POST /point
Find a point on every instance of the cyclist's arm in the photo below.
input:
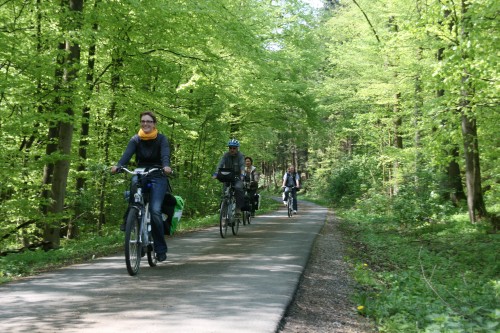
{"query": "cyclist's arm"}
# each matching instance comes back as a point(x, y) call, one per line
point(242, 164)
point(219, 165)
point(127, 154)
point(165, 154)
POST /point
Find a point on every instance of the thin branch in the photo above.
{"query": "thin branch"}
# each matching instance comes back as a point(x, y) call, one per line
point(367, 20)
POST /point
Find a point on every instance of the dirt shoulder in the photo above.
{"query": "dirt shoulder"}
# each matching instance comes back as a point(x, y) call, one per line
point(323, 301)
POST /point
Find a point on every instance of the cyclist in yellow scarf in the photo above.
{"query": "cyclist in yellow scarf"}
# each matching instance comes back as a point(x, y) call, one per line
point(151, 149)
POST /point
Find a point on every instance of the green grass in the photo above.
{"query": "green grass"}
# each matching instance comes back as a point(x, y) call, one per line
point(443, 277)
point(28, 263)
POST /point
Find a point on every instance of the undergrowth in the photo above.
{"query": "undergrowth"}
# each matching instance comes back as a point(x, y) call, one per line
point(439, 277)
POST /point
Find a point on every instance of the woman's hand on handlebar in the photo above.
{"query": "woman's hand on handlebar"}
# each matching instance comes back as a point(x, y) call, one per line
point(167, 170)
point(115, 169)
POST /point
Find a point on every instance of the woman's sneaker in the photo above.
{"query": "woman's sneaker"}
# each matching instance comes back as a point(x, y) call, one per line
point(161, 256)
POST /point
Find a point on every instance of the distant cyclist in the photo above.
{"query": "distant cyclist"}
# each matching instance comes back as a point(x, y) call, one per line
point(234, 159)
point(290, 185)
point(251, 182)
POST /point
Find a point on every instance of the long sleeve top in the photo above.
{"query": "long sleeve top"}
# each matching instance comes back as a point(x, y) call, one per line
point(148, 153)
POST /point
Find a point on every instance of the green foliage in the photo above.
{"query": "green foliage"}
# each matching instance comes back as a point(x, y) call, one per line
point(437, 279)
point(346, 181)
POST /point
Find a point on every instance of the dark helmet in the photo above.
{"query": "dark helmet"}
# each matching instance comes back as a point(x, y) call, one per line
point(233, 143)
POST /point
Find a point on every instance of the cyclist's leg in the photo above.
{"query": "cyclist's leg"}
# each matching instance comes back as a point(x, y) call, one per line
point(294, 197)
point(239, 193)
point(286, 191)
point(251, 195)
point(157, 194)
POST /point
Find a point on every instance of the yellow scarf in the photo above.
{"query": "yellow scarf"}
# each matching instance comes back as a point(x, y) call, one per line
point(150, 136)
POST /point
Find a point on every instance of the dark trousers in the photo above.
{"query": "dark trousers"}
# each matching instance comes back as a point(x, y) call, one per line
point(239, 193)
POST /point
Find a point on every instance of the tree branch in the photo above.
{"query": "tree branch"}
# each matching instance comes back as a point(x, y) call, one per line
point(367, 20)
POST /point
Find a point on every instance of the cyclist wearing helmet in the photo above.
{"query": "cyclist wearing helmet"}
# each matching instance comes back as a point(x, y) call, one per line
point(233, 158)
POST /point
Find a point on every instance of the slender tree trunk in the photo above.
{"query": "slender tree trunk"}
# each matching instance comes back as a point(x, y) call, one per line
point(396, 109)
point(64, 128)
point(117, 63)
point(454, 187)
point(73, 229)
point(475, 201)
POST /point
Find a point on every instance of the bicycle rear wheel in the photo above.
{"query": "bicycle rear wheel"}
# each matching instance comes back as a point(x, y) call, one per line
point(223, 218)
point(132, 244)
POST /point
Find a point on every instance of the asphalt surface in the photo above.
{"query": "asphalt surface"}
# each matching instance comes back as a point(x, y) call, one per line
point(242, 283)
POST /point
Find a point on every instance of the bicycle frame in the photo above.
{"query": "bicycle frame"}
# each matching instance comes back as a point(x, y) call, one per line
point(139, 224)
point(227, 211)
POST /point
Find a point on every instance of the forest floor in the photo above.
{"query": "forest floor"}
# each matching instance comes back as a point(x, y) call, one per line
point(324, 298)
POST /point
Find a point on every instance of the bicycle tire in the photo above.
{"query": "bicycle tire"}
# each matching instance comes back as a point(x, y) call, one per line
point(152, 261)
point(223, 220)
point(290, 206)
point(132, 243)
point(235, 225)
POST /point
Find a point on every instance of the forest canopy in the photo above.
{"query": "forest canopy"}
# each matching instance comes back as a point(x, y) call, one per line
point(389, 101)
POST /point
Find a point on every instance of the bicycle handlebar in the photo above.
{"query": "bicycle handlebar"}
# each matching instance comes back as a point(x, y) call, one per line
point(141, 171)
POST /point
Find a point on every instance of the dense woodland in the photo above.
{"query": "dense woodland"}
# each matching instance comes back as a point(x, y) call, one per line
point(389, 109)
point(394, 102)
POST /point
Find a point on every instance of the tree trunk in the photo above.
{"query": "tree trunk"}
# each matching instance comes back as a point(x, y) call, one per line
point(117, 63)
point(73, 229)
point(454, 184)
point(475, 201)
point(60, 173)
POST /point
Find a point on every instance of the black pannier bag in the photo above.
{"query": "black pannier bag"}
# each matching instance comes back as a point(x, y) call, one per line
point(248, 204)
point(225, 175)
point(167, 208)
point(257, 201)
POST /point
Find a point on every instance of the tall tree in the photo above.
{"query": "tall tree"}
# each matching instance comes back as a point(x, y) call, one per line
point(62, 132)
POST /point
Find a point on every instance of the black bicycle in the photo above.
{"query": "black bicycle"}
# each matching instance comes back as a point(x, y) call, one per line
point(227, 213)
point(249, 201)
point(138, 234)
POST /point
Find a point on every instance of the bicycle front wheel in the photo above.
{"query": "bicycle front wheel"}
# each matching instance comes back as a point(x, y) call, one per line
point(235, 225)
point(132, 243)
point(290, 207)
point(223, 219)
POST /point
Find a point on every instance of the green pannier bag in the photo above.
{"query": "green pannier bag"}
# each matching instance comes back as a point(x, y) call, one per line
point(176, 219)
point(171, 209)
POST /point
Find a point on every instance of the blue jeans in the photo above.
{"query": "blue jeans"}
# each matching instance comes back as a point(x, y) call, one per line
point(157, 193)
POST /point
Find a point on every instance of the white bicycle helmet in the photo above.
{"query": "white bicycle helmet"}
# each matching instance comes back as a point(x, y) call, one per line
point(233, 143)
